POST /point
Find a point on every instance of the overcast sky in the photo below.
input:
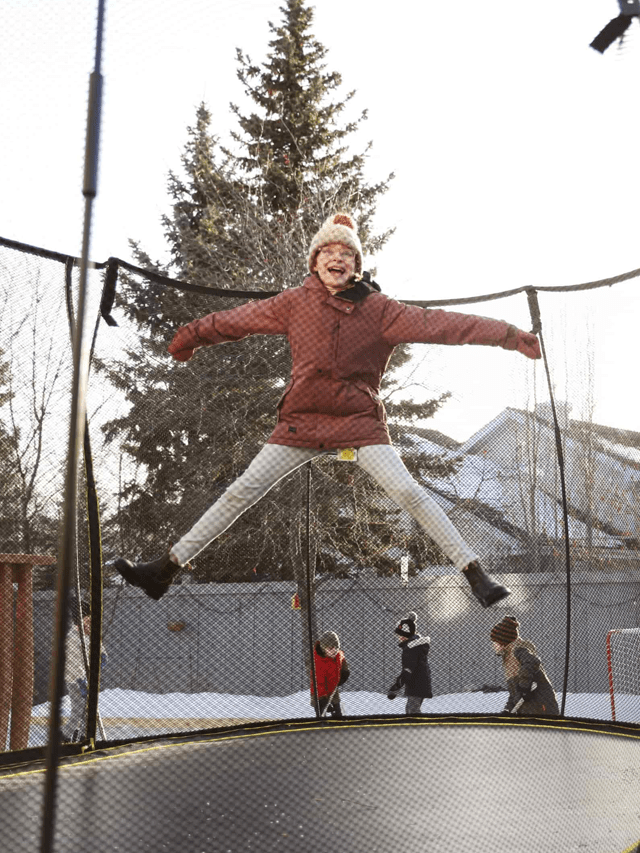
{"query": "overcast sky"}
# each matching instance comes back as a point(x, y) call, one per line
point(514, 145)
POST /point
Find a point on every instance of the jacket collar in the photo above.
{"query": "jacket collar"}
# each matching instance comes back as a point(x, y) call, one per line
point(417, 641)
point(357, 293)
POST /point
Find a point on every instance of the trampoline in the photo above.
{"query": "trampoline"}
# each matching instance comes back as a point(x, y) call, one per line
point(423, 784)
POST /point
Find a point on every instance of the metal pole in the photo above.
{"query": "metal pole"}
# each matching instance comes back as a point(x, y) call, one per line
point(92, 712)
point(312, 659)
point(76, 427)
point(534, 309)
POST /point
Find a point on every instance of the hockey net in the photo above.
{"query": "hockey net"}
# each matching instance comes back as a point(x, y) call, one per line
point(623, 663)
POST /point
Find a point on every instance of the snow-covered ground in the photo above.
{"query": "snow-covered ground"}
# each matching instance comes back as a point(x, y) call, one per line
point(130, 713)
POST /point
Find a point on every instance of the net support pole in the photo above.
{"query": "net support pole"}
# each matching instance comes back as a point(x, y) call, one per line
point(534, 310)
point(76, 426)
point(92, 660)
point(312, 659)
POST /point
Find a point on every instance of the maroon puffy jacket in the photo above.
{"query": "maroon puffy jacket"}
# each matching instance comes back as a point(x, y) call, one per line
point(340, 347)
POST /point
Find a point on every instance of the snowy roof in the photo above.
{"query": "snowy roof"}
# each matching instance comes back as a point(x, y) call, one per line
point(484, 432)
point(623, 452)
point(619, 443)
point(481, 480)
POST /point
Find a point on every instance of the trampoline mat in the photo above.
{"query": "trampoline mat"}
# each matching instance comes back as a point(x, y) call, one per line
point(381, 786)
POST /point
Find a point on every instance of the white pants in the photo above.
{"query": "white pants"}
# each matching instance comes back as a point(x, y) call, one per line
point(275, 461)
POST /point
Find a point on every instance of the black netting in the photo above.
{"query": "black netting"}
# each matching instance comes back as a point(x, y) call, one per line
point(357, 574)
point(227, 643)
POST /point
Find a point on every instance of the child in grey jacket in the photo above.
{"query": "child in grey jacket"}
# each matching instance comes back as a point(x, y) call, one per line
point(530, 691)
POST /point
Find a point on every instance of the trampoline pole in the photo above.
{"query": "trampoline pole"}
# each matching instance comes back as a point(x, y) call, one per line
point(312, 660)
point(96, 585)
point(76, 425)
point(534, 310)
point(95, 550)
point(83, 646)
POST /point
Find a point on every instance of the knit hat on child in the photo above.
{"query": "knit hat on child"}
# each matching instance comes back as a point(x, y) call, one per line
point(506, 631)
point(338, 228)
point(329, 640)
point(407, 627)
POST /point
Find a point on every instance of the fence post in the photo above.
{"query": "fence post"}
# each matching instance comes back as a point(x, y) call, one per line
point(16, 646)
point(6, 651)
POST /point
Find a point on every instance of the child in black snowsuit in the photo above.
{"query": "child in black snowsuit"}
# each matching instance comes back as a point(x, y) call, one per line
point(415, 677)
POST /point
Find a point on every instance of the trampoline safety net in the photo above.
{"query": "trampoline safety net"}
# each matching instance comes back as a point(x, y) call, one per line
point(315, 666)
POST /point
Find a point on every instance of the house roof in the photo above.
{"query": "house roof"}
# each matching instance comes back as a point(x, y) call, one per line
point(480, 488)
point(475, 441)
point(621, 444)
point(433, 435)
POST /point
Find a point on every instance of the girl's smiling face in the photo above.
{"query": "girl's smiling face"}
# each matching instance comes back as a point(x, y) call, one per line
point(335, 265)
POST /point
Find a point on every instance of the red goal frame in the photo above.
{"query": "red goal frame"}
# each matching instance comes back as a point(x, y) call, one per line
point(609, 666)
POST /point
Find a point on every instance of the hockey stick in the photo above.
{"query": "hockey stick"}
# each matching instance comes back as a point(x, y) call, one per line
point(517, 706)
point(520, 701)
point(326, 707)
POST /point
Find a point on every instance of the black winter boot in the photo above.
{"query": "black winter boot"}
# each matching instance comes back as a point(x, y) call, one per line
point(486, 590)
point(154, 577)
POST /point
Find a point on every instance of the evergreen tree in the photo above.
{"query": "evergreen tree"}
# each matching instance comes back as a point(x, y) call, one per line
point(243, 217)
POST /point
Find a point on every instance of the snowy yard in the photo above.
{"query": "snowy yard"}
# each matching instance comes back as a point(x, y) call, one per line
point(130, 713)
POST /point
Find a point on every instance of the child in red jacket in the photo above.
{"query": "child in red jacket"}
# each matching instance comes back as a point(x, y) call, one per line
point(331, 670)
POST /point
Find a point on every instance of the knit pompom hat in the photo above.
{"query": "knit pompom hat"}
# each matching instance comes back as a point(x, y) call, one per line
point(407, 627)
point(329, 640)
point(506, 631)
point(338, 228)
